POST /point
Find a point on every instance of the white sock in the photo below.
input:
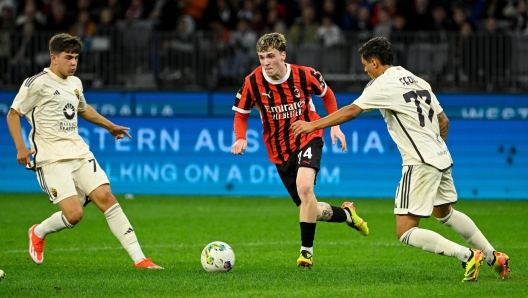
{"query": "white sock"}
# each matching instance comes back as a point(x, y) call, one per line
point(433, 242)
point(349, 217)
point(467, 229)
point(309, 249)
point(56, 222)
point(123, 231)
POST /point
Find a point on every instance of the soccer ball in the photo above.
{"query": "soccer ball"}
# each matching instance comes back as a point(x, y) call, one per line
point(218, 256)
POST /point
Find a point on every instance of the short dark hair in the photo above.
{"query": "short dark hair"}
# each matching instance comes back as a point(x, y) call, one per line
point(377, 47)
point(63, 42)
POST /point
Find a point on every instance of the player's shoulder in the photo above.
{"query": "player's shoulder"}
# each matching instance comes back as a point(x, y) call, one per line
point(36, 80)
point(255, 75)
point(76, 81)
point(400, 72)
point(307, 69)
point(377, 83)
point(256, 71)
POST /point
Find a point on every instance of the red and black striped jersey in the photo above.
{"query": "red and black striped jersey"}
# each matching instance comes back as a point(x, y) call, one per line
point(282, 102)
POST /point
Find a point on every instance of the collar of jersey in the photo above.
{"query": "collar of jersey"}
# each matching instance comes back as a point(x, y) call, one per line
point(288, 71)
point(54, 76)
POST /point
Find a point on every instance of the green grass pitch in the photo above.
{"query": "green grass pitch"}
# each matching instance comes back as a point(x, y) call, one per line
point(264, 233)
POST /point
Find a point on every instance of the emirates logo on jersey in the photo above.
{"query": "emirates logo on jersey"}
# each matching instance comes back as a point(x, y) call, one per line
point(69, 111)
point(296, 92)
point(285, 111)
point(77, 93)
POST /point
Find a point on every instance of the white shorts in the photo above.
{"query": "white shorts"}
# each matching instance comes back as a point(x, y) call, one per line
point(423, 187)
point(64, 179)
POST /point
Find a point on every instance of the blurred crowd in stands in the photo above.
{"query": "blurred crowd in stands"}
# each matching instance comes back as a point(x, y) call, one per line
point(239, 23)
point(302, 20)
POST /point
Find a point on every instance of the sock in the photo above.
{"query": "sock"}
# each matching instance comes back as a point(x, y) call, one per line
point(433, 242)
point(56, 222)
point(348, 217)
point(467, 229)
point(338, 215)
point(123, 231)
point(307, 233)
point(309, 249)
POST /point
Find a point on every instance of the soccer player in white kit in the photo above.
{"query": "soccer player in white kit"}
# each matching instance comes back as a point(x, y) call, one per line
point(66, 169)
point(418, 126)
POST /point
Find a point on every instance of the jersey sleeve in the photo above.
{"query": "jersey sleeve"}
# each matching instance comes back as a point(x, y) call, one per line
point(27, 97)
point(436, 104)
point(373, 97)
point(82, 100)
point(244, 99)
point(317, 83)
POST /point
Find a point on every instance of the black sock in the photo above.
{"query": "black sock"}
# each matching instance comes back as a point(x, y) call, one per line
point(307, 233)
point(338, 215)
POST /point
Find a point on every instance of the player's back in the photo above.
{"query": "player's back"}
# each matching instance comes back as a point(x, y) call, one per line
point(410, 109)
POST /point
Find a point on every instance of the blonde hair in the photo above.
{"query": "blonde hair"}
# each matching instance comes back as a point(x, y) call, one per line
point(271, 41)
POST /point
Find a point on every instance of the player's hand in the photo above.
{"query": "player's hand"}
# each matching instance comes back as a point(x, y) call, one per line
point(24, 156)
point(119, 132)
point(336, 133)
point(299, 127)
point(238, 147)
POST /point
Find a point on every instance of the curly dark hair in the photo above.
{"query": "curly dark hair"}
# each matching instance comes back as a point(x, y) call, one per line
point(377, 47)
point(64, 42)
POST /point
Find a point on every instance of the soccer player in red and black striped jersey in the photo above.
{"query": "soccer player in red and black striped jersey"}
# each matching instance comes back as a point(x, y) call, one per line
point(281, 92)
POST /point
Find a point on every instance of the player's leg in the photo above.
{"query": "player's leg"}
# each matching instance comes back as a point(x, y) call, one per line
point(288, 174)
point(56, 181)
point(310, 157)
point(306, 164)
point(353, 220)
point(465, 227)
point(415, 199)
point(307, 209)
point(347, 213)
point(93, 180)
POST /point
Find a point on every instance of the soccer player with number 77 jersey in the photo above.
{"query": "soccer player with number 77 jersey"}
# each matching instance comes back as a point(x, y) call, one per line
point(418, 126)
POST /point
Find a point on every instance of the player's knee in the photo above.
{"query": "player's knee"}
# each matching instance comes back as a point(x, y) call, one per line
point(110, 199)
point(105, 197)
point(73, 217)
point(404, 234)
point(305, 190)
point(442, 213)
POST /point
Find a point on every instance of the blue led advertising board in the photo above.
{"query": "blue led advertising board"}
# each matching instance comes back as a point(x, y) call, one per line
point(191, 156)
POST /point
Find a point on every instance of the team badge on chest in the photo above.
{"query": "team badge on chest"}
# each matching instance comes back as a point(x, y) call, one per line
point(77, 93)
point(296, 92)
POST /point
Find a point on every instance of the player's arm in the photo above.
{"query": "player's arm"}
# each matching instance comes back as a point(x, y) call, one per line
point(26, 100)
point(330, 103)
point(15, 129)
point(443, 122)
point(92, 116)
point(240, 126)
point(242, 107)
point(345, 114)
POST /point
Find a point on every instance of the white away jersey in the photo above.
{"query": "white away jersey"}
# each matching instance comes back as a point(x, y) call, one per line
point(410, 110)
point(51, 105)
